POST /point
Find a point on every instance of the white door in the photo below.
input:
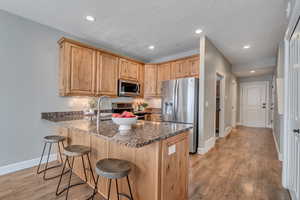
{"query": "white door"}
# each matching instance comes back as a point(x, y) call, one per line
point(293, 136)
point(234, 99)
point(254, 104)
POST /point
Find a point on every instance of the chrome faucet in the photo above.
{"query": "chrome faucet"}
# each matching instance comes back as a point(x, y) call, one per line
point(99, 111)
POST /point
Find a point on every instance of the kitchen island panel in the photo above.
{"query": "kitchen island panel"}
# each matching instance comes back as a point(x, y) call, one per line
point(156, 175)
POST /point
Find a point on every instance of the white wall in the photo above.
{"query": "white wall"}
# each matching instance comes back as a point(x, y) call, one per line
point(213, 61)
point(29, 86)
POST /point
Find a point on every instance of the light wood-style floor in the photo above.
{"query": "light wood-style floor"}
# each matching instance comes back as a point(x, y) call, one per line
point(243, 166)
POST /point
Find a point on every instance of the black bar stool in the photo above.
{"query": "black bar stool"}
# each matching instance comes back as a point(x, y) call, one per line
point(113, 169)
point(73, 151)
point(51, 139)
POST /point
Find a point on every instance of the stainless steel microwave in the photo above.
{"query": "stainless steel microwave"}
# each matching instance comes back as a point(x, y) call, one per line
point(128, 88)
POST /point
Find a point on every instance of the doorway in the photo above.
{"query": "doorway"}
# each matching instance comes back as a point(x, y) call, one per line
point(219, 118)
point(254, 103)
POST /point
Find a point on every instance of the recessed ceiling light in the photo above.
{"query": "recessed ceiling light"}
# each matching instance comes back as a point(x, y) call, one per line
point(198, 31)
point(90, 18)
point(247, 47)
point(151, 47)
point(252, 71)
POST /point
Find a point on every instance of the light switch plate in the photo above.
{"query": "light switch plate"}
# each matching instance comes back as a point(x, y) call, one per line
point(172, 149)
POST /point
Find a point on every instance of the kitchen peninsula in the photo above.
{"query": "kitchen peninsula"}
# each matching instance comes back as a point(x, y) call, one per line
point(158, 150)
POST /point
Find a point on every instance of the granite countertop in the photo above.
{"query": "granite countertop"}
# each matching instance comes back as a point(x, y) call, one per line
point(141, 134)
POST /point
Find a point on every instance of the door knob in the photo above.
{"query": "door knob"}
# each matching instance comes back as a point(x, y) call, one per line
point(296, 131)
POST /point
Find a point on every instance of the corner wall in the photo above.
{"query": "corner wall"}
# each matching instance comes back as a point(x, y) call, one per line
point(213, 61)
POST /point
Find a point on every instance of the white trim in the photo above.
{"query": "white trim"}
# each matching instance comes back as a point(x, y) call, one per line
point(25, 164)
point(228, 129)
point(277, 146)
point(208, 145)
point(286, 114)
point(201, 90)
point(293, 195)
point(222, 103)
point(239, 124)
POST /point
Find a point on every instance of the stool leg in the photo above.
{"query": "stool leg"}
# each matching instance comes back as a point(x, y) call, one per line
point(61, 175)
point(129, 187)
point(117, 189)
point(38, 169)
point(89, 161)
point(109, 187)
point(70, 177)
point(95, 189)
point(84, 170)
point(61, 159)
point(46, 167)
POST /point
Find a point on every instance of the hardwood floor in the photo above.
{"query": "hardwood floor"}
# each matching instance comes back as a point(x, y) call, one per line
point(243, 166)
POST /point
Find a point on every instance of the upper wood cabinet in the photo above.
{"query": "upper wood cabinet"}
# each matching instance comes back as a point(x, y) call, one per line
point(187, 67)
point(150, 81)
point(107, 74)
point(88, 71)
point(128, 70)
point(77, 70)
point(194, 66)
point(163, 74)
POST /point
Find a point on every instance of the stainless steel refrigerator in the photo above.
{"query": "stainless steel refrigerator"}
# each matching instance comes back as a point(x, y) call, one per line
point(180, 104)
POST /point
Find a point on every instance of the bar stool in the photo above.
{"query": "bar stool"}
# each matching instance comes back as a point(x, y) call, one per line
point(113, 169)
point(51, 139)
point(73, 151)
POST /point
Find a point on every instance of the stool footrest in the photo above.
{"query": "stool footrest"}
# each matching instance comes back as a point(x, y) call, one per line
point(68, 187)
point(125, 195)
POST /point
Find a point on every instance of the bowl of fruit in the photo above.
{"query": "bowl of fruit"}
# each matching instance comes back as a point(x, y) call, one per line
point(124, 120)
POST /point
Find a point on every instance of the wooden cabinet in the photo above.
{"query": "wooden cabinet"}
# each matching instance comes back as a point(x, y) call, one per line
point(175, 164)
point(142, 80)
point(193, 64)
point(77, 70)
point(150, 89)
point(128, 70)
point(163, 74)
point(88, 71)
point(107, 74)
point(187, 67)
point(160, 170)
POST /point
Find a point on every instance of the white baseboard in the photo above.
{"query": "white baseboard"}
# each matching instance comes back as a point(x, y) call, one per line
point(209, 144)
point(280, 157)
point(238, 123)
point(227, 131)
point(25, 164)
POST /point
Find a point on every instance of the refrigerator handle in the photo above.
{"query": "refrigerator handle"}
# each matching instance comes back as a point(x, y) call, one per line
point(175, 101)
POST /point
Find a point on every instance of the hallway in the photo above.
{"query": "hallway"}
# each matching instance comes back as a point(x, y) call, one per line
point(244, 166)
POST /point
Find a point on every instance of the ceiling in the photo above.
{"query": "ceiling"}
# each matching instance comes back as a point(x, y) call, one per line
point(129, 27)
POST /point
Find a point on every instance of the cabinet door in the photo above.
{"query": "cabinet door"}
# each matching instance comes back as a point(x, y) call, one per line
point(175, 160)
point(128, 70)
point(82, 70)
point(163, 74)
point(142, 80)
point(178, 68)
point(193, 64)
point(107, 74)
point(150, 80)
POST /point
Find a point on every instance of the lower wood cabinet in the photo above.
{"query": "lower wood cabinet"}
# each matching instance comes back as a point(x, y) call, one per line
point(107, 74)
point(160, 169)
